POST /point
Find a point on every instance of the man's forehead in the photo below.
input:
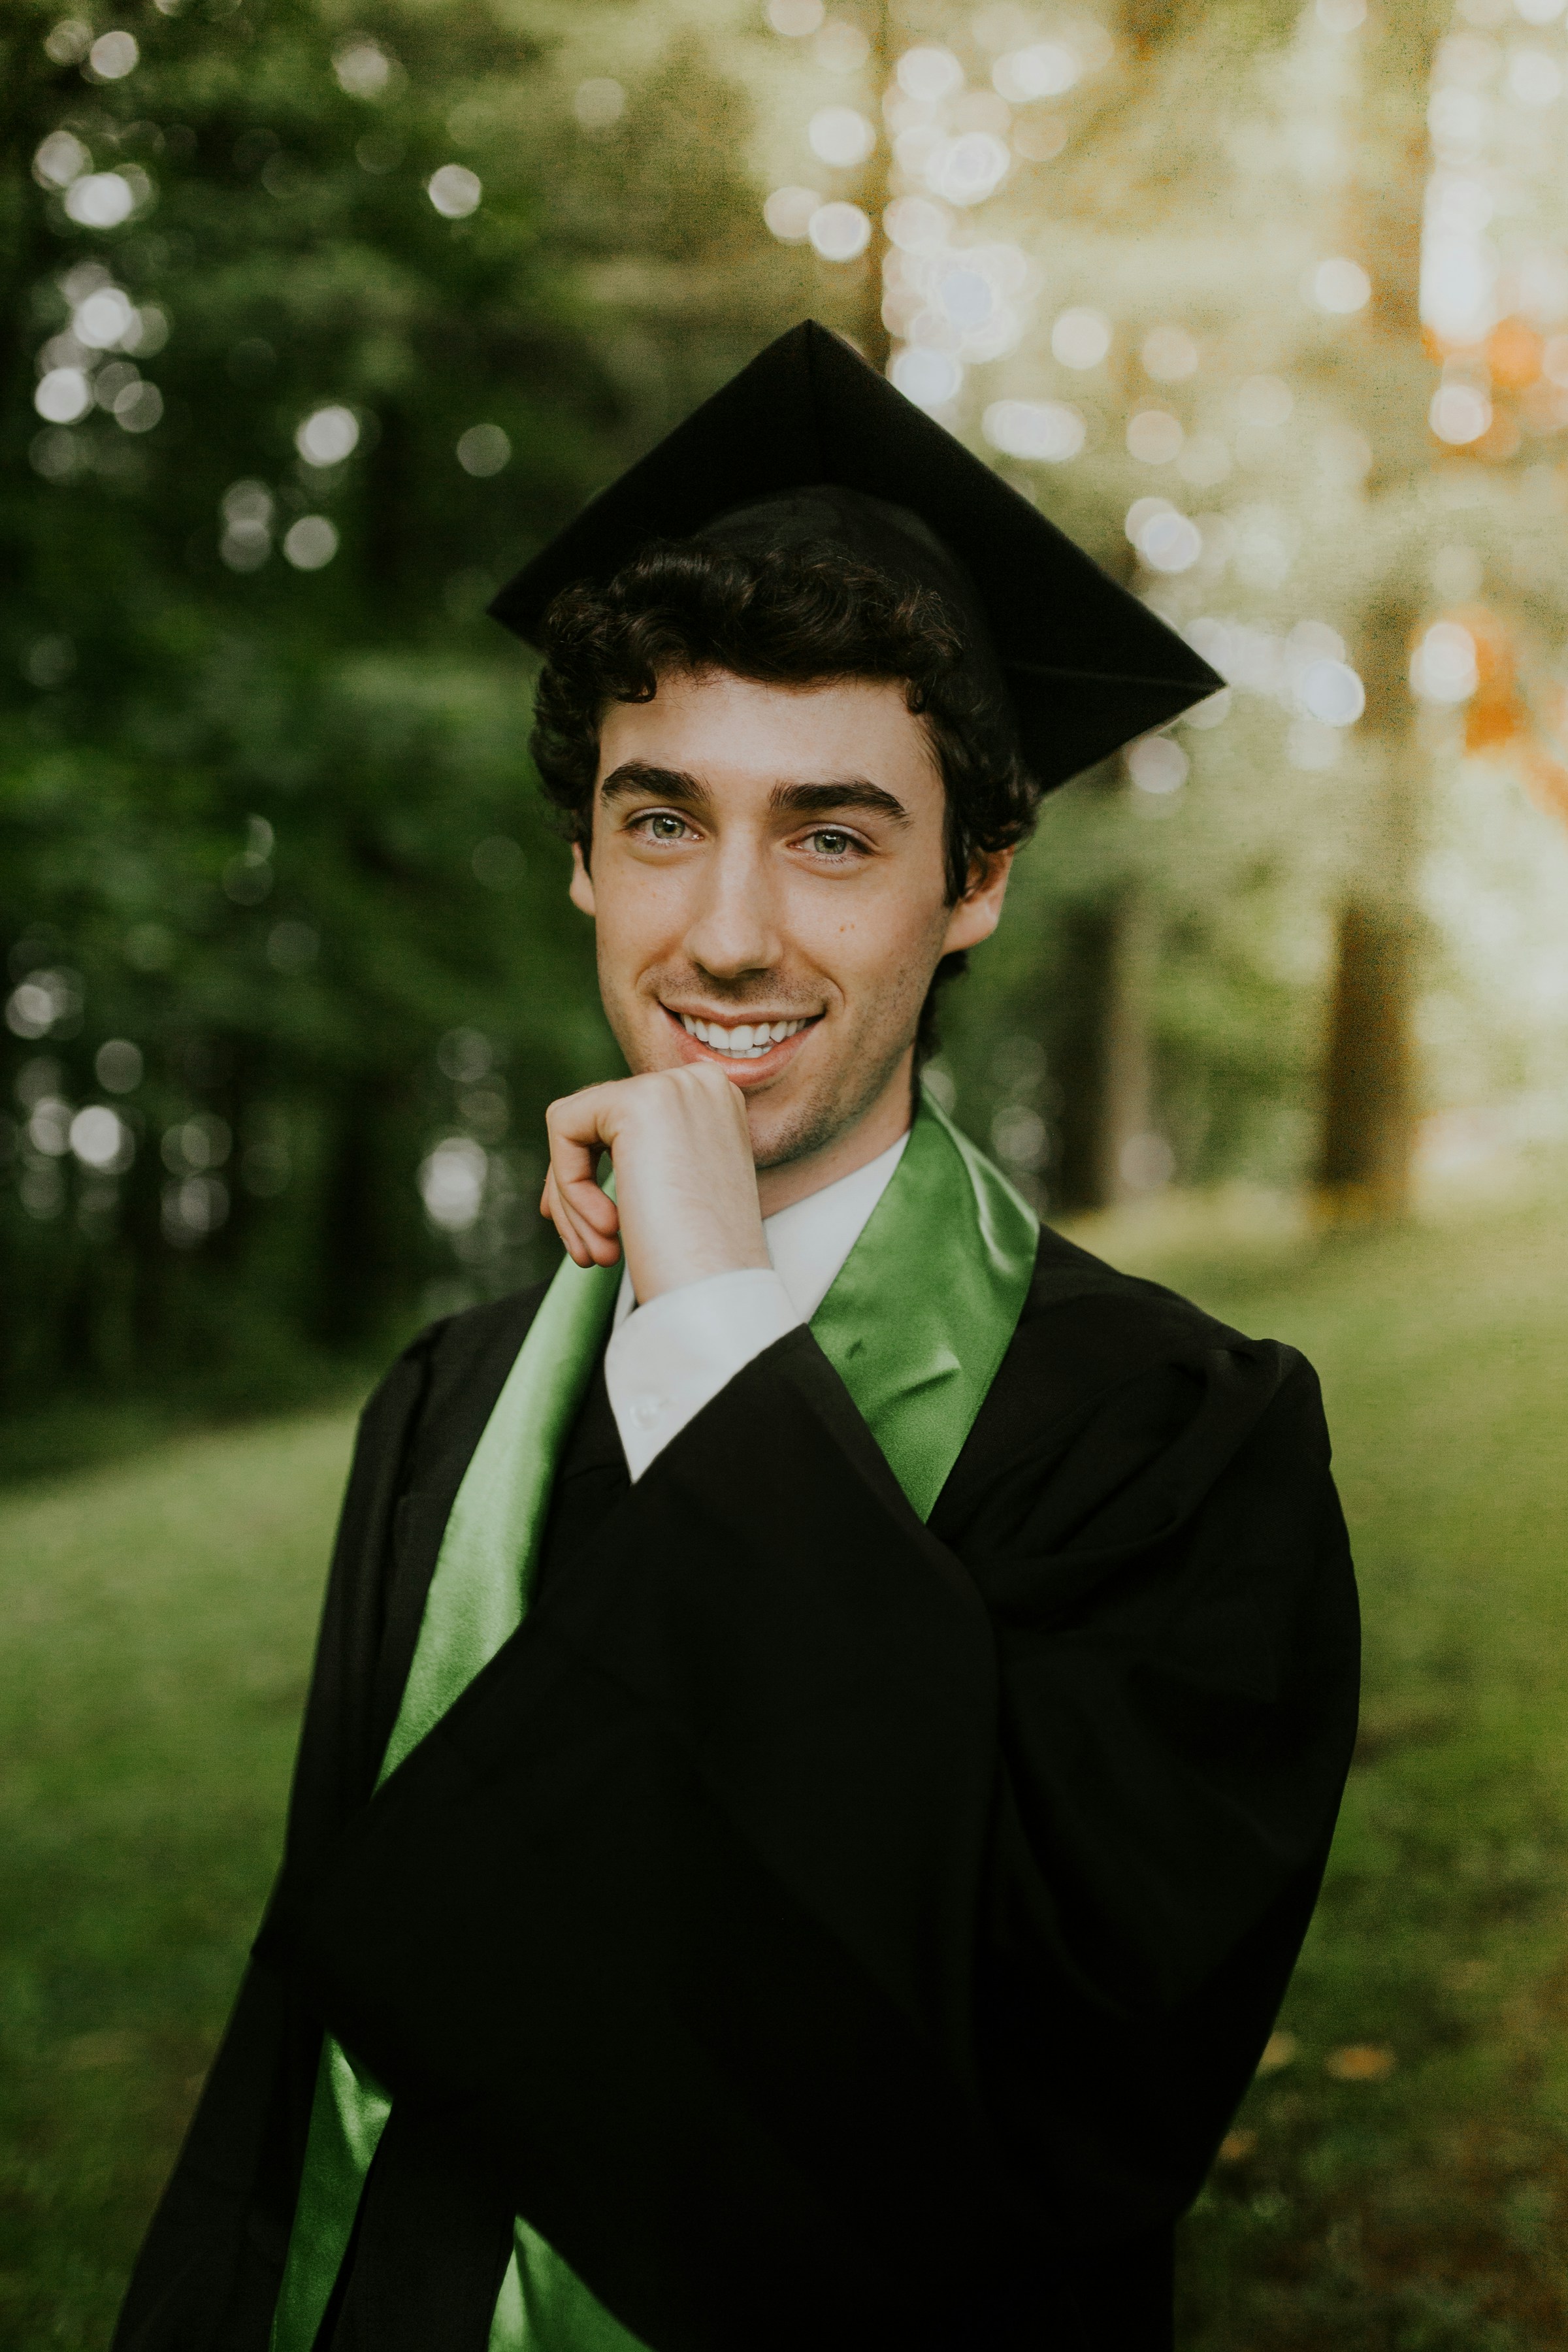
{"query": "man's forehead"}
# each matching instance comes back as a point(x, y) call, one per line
point(746, 735)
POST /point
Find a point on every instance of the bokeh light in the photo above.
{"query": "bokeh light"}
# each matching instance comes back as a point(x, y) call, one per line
point(1044, 70)
point(101, 200)
point(1169, 355)
point(454, 191)
point(328, 436)
point(68, 42)
point(1169, 542)
point(1080, 338)
point(1329, 690)
point(60, 159)
point(1154, 436)
point(788, 212)
point(103, 320)
point(292, 947)
point(1341, 285)
point(931, 73)
point(311, 542)
point(1157, 765)
point(101, 1139)
point(1460, 412)
point(968, 169)
point(247, 509)
point(452, 1182)
point(796, 19)
point(114, 56)
point(1444, 667)
point(840, 135)
point(915, 224)
point(483, 450)
point(118, 1065)
point(63, 395)
point(839, 232)
point(1264, 400)
point(1535, 78)
point(1050, 431)
point(930, 378)
point(362, 69)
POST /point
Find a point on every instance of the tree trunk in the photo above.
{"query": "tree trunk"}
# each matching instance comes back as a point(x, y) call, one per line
point(1365, 1152)
point(1101, 1059)
point(1369, 1092)
point(869, 330)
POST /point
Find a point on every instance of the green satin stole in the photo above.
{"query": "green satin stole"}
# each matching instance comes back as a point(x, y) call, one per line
point(915, 1324)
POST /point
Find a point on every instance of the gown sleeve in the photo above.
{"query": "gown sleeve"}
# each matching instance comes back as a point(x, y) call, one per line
point(828, 1927)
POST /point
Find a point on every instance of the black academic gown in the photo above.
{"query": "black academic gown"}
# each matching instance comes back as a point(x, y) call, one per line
point(828, 1930)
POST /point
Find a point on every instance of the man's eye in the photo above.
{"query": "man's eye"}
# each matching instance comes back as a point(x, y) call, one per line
point(662, 826)
point(829, 842)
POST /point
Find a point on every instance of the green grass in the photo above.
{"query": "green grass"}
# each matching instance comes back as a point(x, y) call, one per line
point(157, 1623)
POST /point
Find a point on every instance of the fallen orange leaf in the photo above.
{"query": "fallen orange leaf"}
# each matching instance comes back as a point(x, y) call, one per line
point(1360, 2061)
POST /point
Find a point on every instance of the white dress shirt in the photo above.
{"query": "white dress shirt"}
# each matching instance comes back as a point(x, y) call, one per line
point(668, 1359)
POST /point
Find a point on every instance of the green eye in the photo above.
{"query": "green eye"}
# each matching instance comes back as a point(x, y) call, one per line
point(665, 827)
point(832, 843)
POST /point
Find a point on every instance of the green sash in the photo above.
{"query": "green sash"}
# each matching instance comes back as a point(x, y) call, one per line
point(915, 1325)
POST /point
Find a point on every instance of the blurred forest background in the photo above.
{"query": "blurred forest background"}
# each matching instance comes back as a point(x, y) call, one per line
point(320, 319)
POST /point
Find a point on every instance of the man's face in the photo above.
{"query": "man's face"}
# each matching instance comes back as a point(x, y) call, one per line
point(769, 888)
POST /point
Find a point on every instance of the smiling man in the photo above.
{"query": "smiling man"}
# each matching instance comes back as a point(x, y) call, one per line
point(829, 1716)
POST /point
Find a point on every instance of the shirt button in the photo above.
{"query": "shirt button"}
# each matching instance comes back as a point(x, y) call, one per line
point(646, 1411)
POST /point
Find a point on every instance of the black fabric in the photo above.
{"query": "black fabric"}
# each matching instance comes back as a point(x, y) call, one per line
point(1084, 664)
point(430, 2246)
point(822, 1928)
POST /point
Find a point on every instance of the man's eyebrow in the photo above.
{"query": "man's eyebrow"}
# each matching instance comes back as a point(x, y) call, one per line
point(664, 783)
point(827, 799)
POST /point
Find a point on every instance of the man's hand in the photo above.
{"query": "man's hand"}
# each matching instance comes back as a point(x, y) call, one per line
point(685, 1187)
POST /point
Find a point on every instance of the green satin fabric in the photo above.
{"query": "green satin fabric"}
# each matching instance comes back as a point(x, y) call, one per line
point(916, 1325)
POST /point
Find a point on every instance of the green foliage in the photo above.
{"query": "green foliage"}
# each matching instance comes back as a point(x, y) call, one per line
point(266, 811)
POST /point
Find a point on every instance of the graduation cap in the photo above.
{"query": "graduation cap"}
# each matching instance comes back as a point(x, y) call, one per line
point(808, 444)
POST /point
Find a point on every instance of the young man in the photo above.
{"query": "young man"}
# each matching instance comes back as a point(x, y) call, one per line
point(829, 1717)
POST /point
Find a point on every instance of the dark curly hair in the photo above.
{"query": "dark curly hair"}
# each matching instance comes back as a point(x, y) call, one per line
point(789, 617)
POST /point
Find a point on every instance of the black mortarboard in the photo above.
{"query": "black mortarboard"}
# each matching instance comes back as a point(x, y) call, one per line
point(809, 443)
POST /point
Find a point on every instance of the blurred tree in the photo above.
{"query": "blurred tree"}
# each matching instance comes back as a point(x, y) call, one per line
point(305, 354)
point(1166, 264)
point(1385, 378)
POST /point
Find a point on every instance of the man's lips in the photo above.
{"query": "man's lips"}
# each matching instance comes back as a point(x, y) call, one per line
point(745, 1049)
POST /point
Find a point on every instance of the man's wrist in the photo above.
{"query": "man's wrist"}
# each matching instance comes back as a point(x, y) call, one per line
point(676, 1352)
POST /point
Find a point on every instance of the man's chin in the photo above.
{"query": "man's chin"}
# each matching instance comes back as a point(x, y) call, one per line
point(783, 1133)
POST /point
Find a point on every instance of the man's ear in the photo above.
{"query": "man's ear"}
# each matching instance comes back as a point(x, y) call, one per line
point(581, 891)
point(976, 915)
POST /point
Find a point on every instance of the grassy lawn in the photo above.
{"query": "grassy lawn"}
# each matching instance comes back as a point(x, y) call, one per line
point(1398, 2182)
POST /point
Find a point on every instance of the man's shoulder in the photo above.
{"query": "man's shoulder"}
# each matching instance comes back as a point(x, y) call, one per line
point(1095, 1306)
point(472, 1337)
point(1118, 1374)
point(445, 1380)
point(1088, 1334)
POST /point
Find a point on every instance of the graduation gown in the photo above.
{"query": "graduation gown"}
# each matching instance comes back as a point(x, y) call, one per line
point(822, 1928)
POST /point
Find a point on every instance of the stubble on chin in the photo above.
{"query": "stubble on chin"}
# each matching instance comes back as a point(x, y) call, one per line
point(815, 1125)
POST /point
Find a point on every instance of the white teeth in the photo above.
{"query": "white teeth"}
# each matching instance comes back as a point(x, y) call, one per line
point(747, 1040)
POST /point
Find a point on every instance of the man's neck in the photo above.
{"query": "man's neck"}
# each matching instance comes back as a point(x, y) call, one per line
point(875, 1131)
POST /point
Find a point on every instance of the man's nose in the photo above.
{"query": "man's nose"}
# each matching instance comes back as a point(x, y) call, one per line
point(735, 927)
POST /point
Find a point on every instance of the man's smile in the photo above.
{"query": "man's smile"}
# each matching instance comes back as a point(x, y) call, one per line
point(761, 1045)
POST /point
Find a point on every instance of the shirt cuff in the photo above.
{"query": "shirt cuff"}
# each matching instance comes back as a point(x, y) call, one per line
point(673, 1356)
